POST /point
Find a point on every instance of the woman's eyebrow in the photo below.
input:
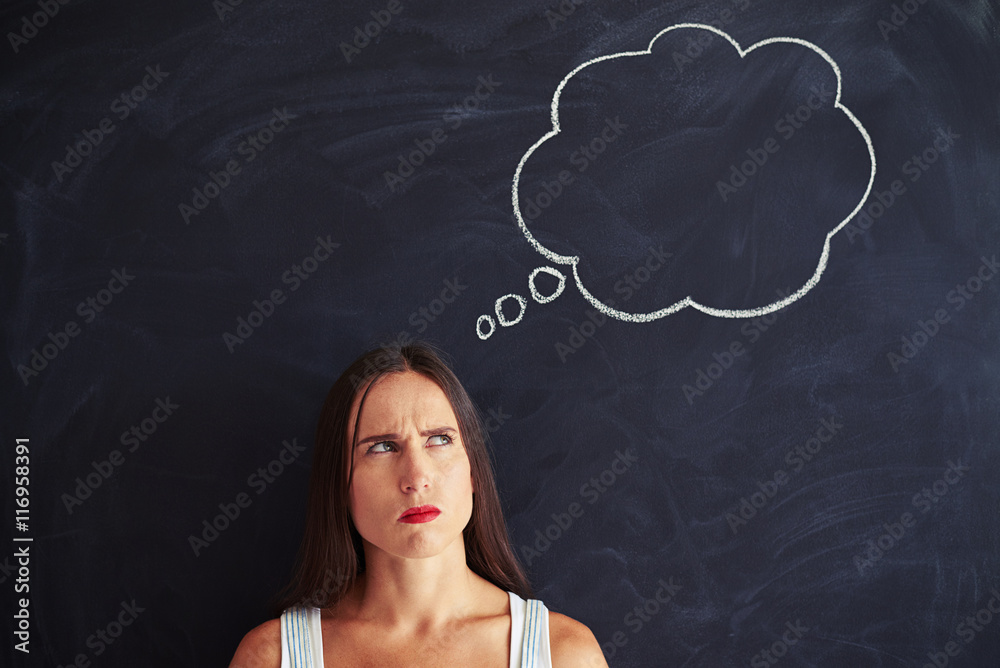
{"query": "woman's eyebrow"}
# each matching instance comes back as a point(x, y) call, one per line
point(377, 438)
point(437, 431)
point(433, 431)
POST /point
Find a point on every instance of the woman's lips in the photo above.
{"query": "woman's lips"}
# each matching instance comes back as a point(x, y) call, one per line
point(419, 514)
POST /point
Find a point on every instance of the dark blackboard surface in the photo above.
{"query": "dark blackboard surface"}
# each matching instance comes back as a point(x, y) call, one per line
point(186, 269)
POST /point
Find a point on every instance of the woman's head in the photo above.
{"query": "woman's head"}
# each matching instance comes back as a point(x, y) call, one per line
point(332, 552)
point(407, 452)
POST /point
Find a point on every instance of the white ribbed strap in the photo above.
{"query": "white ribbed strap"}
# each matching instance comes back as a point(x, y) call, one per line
point(530, 625)
point(301, 638)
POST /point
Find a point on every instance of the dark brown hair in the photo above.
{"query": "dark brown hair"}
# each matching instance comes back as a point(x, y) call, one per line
point(331, 555)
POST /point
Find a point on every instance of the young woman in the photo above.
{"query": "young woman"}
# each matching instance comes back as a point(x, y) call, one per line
point(405, 559)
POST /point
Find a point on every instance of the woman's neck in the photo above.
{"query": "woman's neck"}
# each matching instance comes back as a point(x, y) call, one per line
point(417, 596)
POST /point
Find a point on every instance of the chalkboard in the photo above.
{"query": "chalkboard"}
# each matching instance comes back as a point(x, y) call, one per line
point(719, 275)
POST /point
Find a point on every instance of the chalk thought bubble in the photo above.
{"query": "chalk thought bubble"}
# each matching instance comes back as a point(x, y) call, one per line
point(580, 197)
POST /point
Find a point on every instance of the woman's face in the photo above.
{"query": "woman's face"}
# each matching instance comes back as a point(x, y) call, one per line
point(408, 453)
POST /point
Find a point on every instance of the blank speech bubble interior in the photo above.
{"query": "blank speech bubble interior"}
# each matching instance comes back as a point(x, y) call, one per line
point(726, 163)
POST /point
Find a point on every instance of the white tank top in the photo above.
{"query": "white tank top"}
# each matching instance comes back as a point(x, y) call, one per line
point(302, 637)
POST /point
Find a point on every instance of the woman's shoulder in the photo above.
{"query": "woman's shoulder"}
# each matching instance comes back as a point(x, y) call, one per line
point(573, 644)
point(260, 648)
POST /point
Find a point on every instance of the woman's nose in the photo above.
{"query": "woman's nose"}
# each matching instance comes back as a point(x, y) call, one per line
point(416, 469)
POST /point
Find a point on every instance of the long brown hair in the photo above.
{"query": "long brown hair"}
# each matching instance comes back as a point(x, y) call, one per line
point(331, 555)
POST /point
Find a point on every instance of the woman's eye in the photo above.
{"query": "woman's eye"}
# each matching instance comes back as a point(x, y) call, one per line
point(440, 439)
point(378, 447)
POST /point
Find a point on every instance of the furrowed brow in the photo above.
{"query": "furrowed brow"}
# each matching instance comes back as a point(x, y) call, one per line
point(433, 431)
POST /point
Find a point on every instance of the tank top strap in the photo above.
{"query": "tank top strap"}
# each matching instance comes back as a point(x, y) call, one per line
point(301, 638)
point(529, 633)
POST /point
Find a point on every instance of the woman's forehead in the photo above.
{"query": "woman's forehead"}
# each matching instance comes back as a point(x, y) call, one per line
point(398, 398)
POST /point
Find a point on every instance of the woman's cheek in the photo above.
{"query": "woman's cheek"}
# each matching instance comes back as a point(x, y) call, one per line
point(456, 465)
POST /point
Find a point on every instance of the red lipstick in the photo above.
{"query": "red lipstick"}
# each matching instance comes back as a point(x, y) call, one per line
point(419, 514)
